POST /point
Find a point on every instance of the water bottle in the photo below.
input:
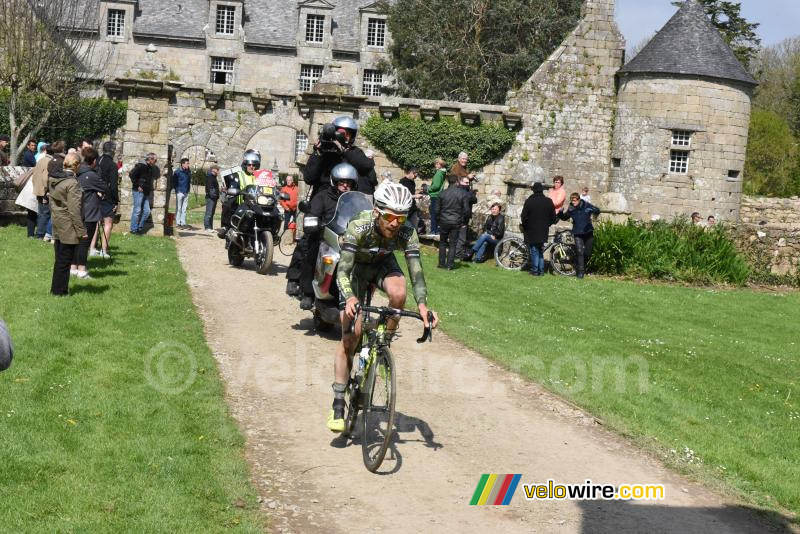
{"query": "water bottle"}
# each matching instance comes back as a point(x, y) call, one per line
point(362, 359)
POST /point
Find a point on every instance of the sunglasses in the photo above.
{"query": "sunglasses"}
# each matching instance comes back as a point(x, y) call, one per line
point(389, 217)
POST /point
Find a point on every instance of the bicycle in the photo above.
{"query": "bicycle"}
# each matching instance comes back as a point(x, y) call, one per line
point(513, 254)
point(371, 388)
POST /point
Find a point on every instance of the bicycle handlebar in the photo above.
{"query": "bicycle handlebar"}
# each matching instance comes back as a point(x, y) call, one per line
point(386, 312)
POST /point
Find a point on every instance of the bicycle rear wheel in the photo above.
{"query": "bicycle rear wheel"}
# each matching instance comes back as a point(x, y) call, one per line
point(378, 411)
point(563, 258)
point(511, 253)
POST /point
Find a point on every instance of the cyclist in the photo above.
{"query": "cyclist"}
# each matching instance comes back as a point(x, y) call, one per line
point(367, 258)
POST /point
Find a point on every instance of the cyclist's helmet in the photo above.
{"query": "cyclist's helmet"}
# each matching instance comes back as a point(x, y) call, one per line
point(392, 196)
point(251, 156)
point(347, 123)
point(344, 172)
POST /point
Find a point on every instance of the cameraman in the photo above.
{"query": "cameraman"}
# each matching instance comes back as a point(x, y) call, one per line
point(335, 146)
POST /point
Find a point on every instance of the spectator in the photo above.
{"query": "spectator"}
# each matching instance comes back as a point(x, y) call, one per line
point(386, 176)
point(4, 140)
point(6, 347)
point(109, 173)
point(453, 213)
point(434, 191)
point(558, 194)
point(711, 221)
point(697, 219)
point(68, 228)
point(29, 154)
point(459, 168)
point(368, 182)
point(55, 168)
point(182, 182)
point(582, 230)
point(41, 150)
point(40, 178)
point(212, 196)
point(95, 191)
point(27, 200)
point(493, 230)
point(86, 142)
point(142, 176)
point(290, 206)
point(537, 216)
point(585, 195)
point(409, 182)
point(461, 245)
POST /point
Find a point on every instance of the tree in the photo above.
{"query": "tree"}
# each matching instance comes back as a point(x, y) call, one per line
point(44, 60)
point(772, 167)
point(777, 68)
point(736, 31)
point(473, 50)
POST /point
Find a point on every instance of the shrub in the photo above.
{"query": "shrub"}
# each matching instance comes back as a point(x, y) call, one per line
point(668, 251)
point(411, 142)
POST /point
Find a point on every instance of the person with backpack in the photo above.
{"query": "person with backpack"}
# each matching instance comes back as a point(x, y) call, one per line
point(109, 173)
point(142, 177)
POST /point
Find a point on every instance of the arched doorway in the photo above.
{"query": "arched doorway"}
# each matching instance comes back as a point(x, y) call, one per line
point(276, 143)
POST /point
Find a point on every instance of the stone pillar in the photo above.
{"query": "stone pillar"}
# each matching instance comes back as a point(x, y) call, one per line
point(146, 130)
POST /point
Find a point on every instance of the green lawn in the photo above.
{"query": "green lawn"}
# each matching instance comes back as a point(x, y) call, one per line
point(91, 439)
point(720, 390)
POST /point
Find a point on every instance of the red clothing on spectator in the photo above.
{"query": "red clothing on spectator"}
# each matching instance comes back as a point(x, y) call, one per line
point(291, 204)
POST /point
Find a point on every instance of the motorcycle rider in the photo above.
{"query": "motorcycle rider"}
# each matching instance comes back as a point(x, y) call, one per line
point(327, 155)
point(367, 257)
point(251, 162)
point(344, 178)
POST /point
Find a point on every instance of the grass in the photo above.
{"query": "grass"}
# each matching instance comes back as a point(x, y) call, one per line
point(89, 442)
point(720, 393)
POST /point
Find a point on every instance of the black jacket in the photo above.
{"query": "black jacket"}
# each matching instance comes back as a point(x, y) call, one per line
point(455, 207)
point(368, 183)
point(323, 206)
point(91, 184)
point(581, 217)
point(317, 171)
point(212, 186)
point(538, 214)
point(495, 226)
point(109, 172)
point(143, 175)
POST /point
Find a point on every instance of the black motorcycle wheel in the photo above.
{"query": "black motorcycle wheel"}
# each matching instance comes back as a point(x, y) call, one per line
point(235, 256)
point(264, 258)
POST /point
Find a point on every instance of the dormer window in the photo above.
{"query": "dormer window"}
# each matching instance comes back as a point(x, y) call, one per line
point(315, 28)
point(226, 17)
point(376, 33)
point(115, 23)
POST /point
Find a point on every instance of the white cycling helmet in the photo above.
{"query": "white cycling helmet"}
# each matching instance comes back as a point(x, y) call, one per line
point(395, 197)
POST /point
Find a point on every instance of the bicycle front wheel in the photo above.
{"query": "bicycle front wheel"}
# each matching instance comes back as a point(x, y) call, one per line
point(378, 410)
point(511, 253)
point(563, 258)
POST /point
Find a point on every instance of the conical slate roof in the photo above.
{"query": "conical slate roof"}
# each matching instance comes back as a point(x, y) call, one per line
point(689, 44)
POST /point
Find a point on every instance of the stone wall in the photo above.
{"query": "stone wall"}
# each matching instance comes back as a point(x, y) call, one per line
point(772, 227)
point(8, 210)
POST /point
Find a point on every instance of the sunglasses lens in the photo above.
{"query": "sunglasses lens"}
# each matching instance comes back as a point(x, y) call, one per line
point(389, 217)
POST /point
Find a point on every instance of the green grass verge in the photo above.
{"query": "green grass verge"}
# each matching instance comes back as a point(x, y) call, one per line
point(719, 396)
point(88, 443)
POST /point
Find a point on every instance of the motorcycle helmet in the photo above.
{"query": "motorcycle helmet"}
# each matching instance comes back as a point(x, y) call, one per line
point(347, 123)
point(346, 172)
point(392, 196)
point(251, 156)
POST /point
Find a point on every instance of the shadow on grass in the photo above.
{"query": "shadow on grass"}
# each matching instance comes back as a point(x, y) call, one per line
point(77, 288)
point(103, 273)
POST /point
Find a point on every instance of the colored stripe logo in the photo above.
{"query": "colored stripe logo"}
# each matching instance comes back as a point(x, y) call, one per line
point(495, 489)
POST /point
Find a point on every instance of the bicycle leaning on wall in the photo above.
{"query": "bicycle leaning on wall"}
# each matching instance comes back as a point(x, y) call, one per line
point(513, 254)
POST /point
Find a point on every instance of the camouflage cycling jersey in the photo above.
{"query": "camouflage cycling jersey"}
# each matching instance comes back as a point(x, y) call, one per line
point(368, 257)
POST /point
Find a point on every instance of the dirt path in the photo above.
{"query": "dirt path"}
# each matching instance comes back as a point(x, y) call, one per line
point(460, 417)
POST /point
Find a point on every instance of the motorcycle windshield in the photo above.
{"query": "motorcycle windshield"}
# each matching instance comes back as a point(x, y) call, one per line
point(350, 204)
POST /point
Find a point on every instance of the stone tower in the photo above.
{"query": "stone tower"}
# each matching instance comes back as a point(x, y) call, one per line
point(683, 111)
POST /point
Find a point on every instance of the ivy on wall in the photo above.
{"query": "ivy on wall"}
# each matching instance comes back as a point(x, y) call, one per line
point(411, 142)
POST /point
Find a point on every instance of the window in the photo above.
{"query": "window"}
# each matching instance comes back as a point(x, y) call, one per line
point(681, 138)
point(222, 70)
point(309, 74)
point(315, 25)
point(300, 144)
point(733, 176)
point(115, 23)
point(226, 15)
point(373, 79)
point(679, 161)
point(376, 33)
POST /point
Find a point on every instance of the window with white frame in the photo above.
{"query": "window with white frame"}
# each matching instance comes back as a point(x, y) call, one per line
point(309, 75)
point(300, 144)
point(373, 80)
point(115, 23)
point(681, 138)
point(315, 28)
point(376, 33)
point(222, 70)
point(226, 17)
point(679, 161)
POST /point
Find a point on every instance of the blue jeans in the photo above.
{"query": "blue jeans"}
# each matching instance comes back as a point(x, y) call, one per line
point(43, 222)
point(432, 209)
point(211, 207)
point(537, 259)
point(479, 248)
point(141, 211)
point(180, 208)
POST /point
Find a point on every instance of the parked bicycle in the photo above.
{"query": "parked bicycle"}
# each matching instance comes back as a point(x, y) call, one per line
point(513, 254)
point(371, 388)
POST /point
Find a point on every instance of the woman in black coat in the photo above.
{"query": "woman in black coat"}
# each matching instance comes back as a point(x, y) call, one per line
point(538, 214)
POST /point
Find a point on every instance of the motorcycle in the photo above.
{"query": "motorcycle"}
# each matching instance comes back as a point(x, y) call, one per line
point(255, 226)
point(326, 291)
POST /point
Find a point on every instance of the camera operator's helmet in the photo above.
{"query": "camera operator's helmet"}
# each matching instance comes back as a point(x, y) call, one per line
point(344, 172)
point(251, 157)
point(395, 197)
point(347, 123)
